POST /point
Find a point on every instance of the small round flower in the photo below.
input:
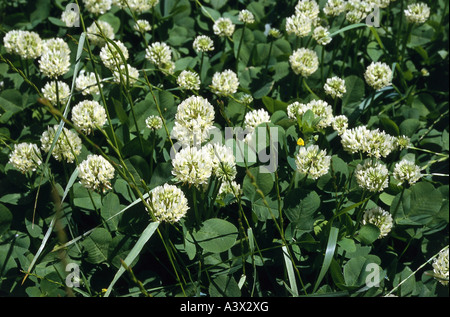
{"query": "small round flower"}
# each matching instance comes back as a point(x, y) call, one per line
point(310, 8)
point(142, 26)
point(119, 76)
point(136, 6)
point(193, 121)
point(312, 161)
point(188, 80)
point(223, 162)
point(168, 203)
point(67, 146)
point(97, 6)
point(110, 54)
point(246, 17)
point(275, 33)
point(223, 27)
point(225, 83)
point(304, 62)
point(55, 44)
point(298, 24)
point(96, 173)
point(25, 157)
point(87, 83)
point(254, 118)
point(379, 218)
point(94, 32)
point(407, 171)
point(153, 123)
point(380, 144)
point(440, 267)
point(321, 35)
point(88, 115)
point(229, 188)
point(334, 7)
point(246, 99)
point(402, 142)
point(417, 13)
point(372, 176)
point(49, 92)
point(355, 139)
point(321, 109)
point(335, 87)
point(26, 44)
point(70, 17)
point(160, 54)
point(193, 166)
point(358, 10)
point(203, 43)
point(340, 124)
point(378, 75)
point(55, 58)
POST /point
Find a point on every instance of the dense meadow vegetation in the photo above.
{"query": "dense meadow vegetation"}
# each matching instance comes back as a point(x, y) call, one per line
point(214, 148)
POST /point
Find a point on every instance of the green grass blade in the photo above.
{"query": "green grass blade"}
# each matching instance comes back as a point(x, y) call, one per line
point(290, 270)
point(348, 27)
point(145, 236)
point(329, 253)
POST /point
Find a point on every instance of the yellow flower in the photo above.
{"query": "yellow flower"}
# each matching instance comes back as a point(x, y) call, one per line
point(300, 142)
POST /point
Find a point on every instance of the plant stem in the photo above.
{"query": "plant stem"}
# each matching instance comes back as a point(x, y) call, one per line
point(239, 47)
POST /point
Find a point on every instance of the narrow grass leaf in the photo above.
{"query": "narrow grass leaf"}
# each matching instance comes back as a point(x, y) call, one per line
point(329, 253)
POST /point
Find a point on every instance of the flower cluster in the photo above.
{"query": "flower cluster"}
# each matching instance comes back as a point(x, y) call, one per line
point(378, 75)
point(88, 115)
point(304, 61)
point(188, 80)
point(67, 147)
point(225, 83)
point(312, 161)
point(55, 58)
point(95, 173)
point(114, 54)
point(203, 43)
point(321, 109)
point(50, 92)
point(374, 143)
point(372, 176)
point(335, 87)
point(379, 217)
point(98, 30)
point(160, 54)
point(26, 44)
point(26, 157)
point(440, 267)
point(168, 203)
point(193, 166)
point(87, 83)
point(407, 171)
point(223, 27)
point(417, 13)
point(153, 123)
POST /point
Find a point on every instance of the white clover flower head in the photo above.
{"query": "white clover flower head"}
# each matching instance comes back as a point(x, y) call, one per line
point(298, 24)
point(97, 7)
point(304, 62)
point(355, 139)
point(121, 75)
point(87, 83)
point(136, 6)
point(334, 7)
point(407, 171)
point(55, 44)
point(321, 35)
point(310, 8)
point(193, 166)
point(417, 13)
point(340, 124)
point(358, 10)
point(223, 27)
point(26, 44)
point(323, 111)
point(203, 43)
point(440, 267)
point(335, 87)
point(254, 118)
point(225, 83)
point(94, 32)
point(294, 109)
point(168, 203)
point(49, 92)
point(111, 54)
point(26, 157)
point(380, 144)
point(188, 80)
point(160, 54)
point(153, 123)
point(380, 218)
point(54, 63)
point(142, 26)
point(402, 142)
point(372, 176)
point(245, 16)
point(70, 17)
point(88, 115)
point(223, 161)
point(246, 99)
point(274, 32)
point(67, 147)
point(193, 121)
point(96, 173)
point(378, 75)
point(229, 188)
point(312, 161)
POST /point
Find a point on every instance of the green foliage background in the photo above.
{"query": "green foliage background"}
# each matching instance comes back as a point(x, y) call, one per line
point(287, 235)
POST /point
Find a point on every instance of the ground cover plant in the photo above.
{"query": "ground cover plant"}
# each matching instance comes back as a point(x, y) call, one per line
point(216, 148)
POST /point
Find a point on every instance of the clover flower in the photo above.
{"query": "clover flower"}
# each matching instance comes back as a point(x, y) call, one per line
point(203, 43)
point(223, 161)
point(340, 124)
point(374, 143)
point(223, 27)
point(274, 32)
point(378, 75)
point(312, 161)
point(26, 157)
point(440, 267)
point(111, 54)
point(358, 10)
point(402, 142)
point(67, 147)
point(304, 62)
point(355, 139)
point(309, 8)
point(229, 188)
point(97, 6)
point(417, 13)
point(254, 118)
point(188, 80)
point(142, 26)
point(96, 173)
point(121, 75)
point(88, 115)
point(335, 87)
point(87, 83)
point(54, 63)
point(407, 171)
point(321, 109)
point(245, 16)
point(225, 83)
point(137, 6)
point(94, 32)
point(193, 166)
point(70, 17)
point(168, 203)
point(321, 35)
point(372, 176)
point(160, 54)
point(153, 123)
point(334, 7)
point(49, 92)
point(26, 44)
point(380, 218)
point(193, 121)
point(298, 24)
